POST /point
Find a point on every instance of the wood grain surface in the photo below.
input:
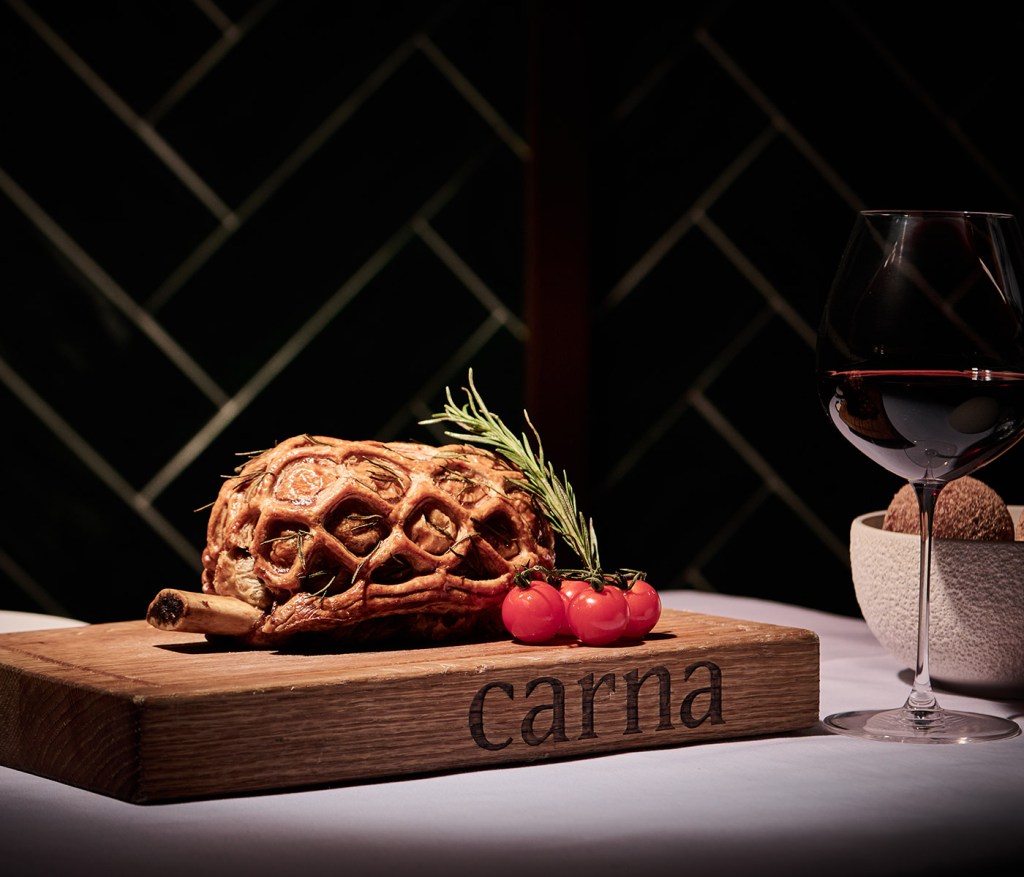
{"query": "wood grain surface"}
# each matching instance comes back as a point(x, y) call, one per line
point(148, 715)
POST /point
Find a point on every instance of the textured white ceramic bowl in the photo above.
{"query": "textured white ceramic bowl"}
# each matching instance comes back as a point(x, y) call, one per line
point(977, 604)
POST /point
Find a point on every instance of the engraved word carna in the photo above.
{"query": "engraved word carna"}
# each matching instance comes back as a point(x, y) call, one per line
point(493, 738)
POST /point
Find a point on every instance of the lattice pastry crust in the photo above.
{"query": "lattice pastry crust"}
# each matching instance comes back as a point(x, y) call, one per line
point(365, 540)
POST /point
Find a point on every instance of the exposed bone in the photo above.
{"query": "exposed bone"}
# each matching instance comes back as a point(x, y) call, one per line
point(193, 612)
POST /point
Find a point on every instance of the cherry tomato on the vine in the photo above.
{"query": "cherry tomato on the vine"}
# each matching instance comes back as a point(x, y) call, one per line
point(598, 617)
point(569, 588)
point(644, 609)
point(534, 613)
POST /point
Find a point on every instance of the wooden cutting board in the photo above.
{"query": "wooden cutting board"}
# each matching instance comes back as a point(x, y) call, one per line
point(146, 715)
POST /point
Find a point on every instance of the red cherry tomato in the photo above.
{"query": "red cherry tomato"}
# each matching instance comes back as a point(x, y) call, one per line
point(569, 588)
point(644, 609)
point(533, 614)
point(598, 617)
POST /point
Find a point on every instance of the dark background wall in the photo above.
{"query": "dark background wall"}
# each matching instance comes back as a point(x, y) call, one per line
point(224, 223)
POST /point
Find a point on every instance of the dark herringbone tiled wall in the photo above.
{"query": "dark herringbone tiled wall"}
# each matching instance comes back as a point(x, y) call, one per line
point(228, 222)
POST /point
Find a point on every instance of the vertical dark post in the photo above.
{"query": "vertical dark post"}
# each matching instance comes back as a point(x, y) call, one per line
point(557, 236)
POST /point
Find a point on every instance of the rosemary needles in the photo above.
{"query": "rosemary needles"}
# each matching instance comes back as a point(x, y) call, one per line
point(555, 495)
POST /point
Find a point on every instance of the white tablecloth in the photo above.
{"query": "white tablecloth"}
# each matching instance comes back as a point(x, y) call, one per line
point(781, 805)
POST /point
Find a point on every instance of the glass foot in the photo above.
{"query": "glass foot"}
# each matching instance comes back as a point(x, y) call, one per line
point(921, 726)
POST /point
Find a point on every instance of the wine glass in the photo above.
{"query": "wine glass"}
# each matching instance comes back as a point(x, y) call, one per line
point(920, 362)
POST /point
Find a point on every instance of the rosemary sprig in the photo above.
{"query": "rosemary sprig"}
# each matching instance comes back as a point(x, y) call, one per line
point(555, 496)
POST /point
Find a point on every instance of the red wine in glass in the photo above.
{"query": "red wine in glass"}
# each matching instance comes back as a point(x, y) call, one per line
point(927, 425)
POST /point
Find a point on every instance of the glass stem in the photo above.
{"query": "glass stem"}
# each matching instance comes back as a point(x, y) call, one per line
point(921, 699)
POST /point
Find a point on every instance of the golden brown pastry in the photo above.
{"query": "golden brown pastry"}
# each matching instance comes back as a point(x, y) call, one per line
point(366, 540)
